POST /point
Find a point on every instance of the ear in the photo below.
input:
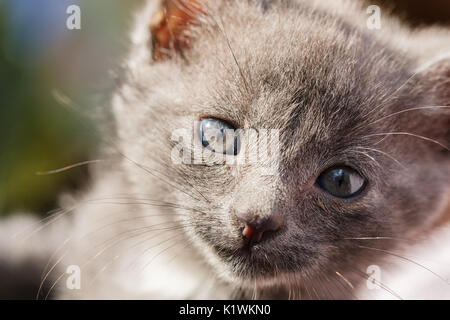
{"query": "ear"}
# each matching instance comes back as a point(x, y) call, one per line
point(169, 26)
point(435, 80)
point(434, 89)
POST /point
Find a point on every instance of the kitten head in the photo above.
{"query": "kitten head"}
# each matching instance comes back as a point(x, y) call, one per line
point(356, 133)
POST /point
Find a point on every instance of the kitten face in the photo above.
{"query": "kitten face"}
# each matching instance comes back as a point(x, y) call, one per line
point(330, 91)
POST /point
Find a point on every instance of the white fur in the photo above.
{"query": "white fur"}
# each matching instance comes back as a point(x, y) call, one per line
point(184, 273)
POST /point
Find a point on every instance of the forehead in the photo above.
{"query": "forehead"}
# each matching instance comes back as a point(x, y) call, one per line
point(314, 80)
point(273, 68)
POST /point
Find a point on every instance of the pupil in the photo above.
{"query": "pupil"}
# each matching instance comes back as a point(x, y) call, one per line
point(341, 181)
point(215, 136)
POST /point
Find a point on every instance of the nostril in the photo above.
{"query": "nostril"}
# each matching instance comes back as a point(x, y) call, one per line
point(255, 227)
point(248, 231)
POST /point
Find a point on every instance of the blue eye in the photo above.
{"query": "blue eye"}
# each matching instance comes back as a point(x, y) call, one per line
point(218, 136)
point(341, 182)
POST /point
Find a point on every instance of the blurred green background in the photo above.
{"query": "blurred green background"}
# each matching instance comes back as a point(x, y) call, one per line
point(38, 55)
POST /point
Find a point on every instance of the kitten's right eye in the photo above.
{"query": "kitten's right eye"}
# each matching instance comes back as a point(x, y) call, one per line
point(218, 136)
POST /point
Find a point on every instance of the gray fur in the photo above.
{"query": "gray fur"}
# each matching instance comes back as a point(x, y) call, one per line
point(311, 70)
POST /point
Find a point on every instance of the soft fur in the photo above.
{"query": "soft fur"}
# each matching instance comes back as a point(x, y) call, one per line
point(338, 92)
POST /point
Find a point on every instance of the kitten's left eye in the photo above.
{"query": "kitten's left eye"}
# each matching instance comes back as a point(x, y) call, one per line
point(341, 182)
point(218, 136)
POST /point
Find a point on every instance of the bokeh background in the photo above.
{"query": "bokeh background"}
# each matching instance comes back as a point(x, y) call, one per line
point(39, 55)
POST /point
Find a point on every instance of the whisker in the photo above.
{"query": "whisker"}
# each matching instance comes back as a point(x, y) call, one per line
point(383, 153)
point(381, 140)
point(152, 174)
point(153, 204)
point(378, 283)
point(255, 291)
point(55, 216)
point(53, 255)
point(53, 286)
point(345, 279)
point(133, 219)
point(162, 251)
point(47, 275)
point(71, 105)
point(90, 259)
point(407, 259)
point(178, 254)
point(147, 249)
point(326, 287)
point(75, 165)
point(409, 134)
point(102, 269)
point(407, 110)
point(376, 238)
point(142, 230)
point(370, 157)
point(392, 96)
point(342, 284)
point(228, 43)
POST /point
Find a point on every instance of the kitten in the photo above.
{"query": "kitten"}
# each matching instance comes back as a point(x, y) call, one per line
point(362, 172)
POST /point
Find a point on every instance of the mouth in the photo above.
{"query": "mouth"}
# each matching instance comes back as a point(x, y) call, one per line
point(248, 262)
point(265, 261)
point(253, 261)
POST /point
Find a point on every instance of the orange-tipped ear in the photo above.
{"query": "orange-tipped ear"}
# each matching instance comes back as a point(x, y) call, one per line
point(169, 24)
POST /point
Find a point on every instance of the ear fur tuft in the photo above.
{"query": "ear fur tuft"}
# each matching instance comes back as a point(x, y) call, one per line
point(168, 26)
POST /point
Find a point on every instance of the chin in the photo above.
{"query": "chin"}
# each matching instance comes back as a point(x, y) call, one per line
point(244, 266)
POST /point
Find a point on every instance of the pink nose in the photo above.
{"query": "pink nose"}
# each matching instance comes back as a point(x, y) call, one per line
point(255, 227)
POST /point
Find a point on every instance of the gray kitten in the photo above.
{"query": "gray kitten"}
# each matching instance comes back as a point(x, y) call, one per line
point(362, 169)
